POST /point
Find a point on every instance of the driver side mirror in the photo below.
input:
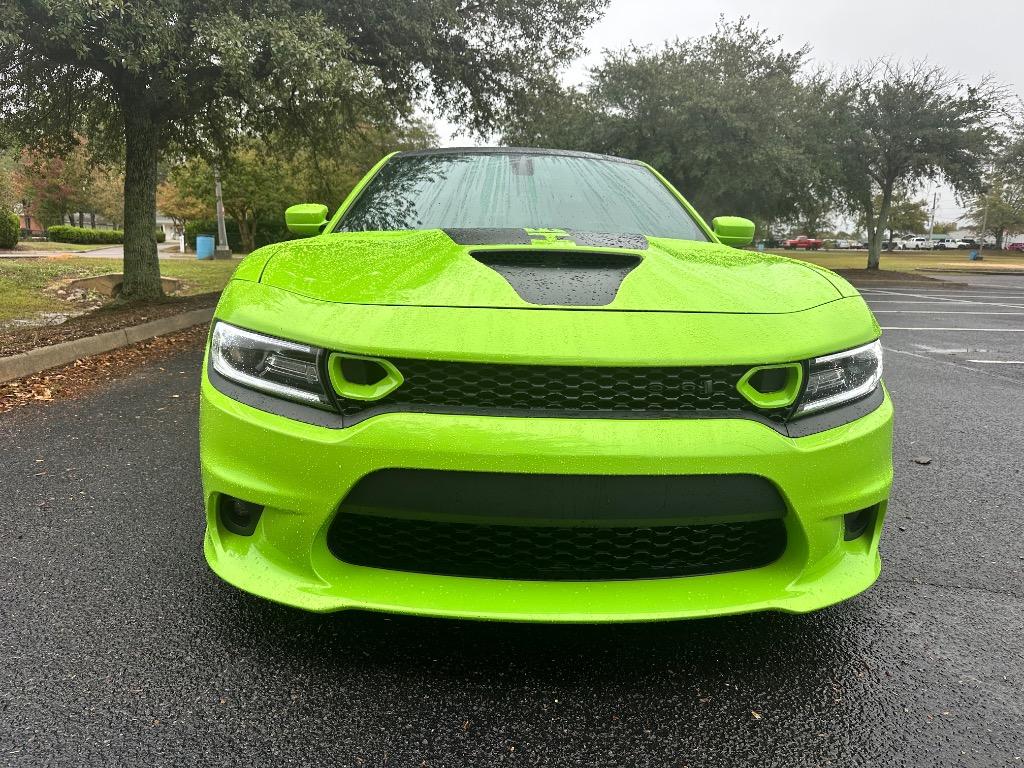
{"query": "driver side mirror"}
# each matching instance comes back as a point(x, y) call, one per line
point(306, 219)
point(733, 230)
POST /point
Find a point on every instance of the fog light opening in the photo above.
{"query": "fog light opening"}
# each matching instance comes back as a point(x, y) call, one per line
point(856, 524)
point(237, 515)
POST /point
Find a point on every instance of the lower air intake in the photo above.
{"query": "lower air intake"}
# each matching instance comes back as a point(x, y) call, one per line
point(559, 527)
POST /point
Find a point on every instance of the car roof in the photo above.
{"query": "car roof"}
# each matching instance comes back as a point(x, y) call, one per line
point(513, 151)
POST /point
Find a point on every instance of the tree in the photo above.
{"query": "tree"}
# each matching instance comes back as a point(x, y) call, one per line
point(730, 118)
point(173, 199)
point(998, 212)
point(146, 76)
point(906, 215)
point(106, 195)
point(47, 184)
point(332, 166)
point(7, 190)
point(894, 125)
point(257, 184)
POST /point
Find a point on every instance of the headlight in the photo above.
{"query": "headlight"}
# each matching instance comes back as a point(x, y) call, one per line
point(277, 367)
point(836, 379)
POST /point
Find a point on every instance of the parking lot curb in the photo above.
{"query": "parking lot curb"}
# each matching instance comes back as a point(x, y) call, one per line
point(44, 358)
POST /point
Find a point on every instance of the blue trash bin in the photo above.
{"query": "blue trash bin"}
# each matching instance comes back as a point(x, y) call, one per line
point(204, 246)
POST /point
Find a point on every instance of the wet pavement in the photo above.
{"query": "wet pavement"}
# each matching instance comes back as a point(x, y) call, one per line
point(120, 647)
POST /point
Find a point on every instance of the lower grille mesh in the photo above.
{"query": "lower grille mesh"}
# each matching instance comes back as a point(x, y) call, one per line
point(554, 553)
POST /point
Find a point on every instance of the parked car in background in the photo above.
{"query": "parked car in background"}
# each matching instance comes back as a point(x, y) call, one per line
point(965, 244)
point(804, 242)
point(1019, 247)
point(843, 244)
point(915, 243)
point(946, 244)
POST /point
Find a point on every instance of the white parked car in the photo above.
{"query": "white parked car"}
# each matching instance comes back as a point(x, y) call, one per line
point(945, 244)
point(915, 243)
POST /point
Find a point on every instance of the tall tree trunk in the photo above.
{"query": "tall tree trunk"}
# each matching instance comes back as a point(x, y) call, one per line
point(247, 233)
point(142, 147)
point(877, 237)
point(81, 219)
point(92, 219)
point(1000, 235)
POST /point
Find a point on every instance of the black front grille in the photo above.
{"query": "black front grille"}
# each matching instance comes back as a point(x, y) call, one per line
point(652, 392)
point(555, 553)
point(559, 527)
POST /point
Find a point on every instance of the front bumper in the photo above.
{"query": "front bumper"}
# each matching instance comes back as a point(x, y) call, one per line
point(301, 472)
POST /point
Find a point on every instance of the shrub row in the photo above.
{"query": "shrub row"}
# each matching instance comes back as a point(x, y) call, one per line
point(63, 233)
point(9, 229)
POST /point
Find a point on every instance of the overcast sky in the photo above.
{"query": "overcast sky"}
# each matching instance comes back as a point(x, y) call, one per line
point(978, 38)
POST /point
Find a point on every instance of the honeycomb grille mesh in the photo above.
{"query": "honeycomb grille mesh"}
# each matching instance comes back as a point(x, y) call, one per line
point(554, 553)
point(667, 391)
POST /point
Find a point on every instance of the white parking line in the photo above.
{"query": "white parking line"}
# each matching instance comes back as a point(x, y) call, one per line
point(935, 301)
point(998, 362)
point(940, 312)
point(937, 296)
point(953, 301)
point(953, 364)
point(923, 328)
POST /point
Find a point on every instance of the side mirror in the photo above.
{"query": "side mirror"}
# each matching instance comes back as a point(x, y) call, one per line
point(307, 219)
point(733, 230)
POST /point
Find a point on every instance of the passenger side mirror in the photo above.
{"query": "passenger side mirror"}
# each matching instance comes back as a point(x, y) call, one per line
point(306, 219)
point(733, 230)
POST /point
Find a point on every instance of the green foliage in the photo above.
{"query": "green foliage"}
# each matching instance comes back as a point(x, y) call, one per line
point(1000, 211)
point(267, 231)
point(9, 229)
point(728, 118)
point(906, 215)
point(894, 125)
point(153, 75)
point(62, 233)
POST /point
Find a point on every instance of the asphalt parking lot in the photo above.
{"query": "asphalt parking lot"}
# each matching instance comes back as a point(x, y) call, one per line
point(119, 647)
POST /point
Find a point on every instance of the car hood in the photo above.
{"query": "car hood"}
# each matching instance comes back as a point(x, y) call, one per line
point(545, 270)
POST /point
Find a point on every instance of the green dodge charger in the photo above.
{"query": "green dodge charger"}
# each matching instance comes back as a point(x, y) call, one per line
point(534, 385)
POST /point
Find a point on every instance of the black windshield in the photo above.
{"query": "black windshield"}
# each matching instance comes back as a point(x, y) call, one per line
point(512, 189)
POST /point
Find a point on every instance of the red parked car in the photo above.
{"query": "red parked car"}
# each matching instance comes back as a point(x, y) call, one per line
point(1016, 247)
point(807, 243)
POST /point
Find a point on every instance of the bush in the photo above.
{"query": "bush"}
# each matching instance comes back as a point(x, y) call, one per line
point(62, 233)
point(9, 229)
point(267, 231)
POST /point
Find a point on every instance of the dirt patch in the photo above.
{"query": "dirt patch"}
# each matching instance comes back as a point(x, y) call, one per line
point(867, 276)
point(107, 318)
point(109, 285)
point(83, 376)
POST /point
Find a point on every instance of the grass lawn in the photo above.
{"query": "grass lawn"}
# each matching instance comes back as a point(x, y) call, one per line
point(46, 245)
point(22, 282)
point(908, 261)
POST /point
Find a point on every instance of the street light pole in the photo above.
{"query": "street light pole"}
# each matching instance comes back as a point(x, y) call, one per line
point(223, 250)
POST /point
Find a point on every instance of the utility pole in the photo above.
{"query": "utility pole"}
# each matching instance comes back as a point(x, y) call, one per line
point(223, 250)
point(931, 221)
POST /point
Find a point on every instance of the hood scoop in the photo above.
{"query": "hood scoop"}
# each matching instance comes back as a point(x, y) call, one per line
point(564, 278)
